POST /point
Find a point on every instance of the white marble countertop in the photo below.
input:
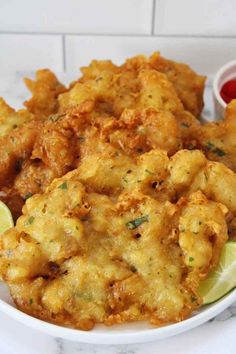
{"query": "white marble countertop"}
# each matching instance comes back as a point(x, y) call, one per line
point(216, 336)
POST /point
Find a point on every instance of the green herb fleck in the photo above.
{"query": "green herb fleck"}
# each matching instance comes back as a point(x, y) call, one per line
point(63, 186)
point(219, 152)
point(30, 301)
point(9, 253)
point(124, 179)
point(133, 224)
point(84, 296)
point(191, 259)
point(149, 172)
point(28, 195)
point(211, 147)
point(30, 220)
point(56, 117)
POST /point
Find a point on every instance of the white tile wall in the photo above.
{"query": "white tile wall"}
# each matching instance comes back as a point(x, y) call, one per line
point(65, 34)
point(196, 17)
point(28, 52)
point(78, 16)
point(203, 54)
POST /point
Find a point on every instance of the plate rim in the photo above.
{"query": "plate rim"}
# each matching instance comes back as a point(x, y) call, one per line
point(140, 336)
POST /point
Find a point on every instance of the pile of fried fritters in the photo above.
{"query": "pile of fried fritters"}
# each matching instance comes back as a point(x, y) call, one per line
point(127, 198)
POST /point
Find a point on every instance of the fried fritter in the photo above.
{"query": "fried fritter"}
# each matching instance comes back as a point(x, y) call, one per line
point(45, 90)
point(139, 131)
point(112, 93)
point(14, 149)
point(108, 170)
point(75, 139)
point(188, 85)
point(108, 90)
point(217, 139)
point(78, 258)
point(130, 231)
point(44, 150)
point(10, 119)
point(133, 108)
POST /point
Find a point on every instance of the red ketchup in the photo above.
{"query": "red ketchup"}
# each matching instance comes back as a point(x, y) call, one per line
point(228, 91)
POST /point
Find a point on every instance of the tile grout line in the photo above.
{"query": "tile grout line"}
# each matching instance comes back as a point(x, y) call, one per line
point(194, 36)
point(64, 52)
point(153, 16)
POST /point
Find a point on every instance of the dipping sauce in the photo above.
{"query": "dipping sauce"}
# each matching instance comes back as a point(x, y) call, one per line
point(228, 91)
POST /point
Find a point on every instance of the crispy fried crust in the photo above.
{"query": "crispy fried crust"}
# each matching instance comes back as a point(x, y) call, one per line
point(188, 85)
point(10, 119)
point(217, 139)
point(78, 258)
point(129, 233)
point(32, 162)
point(45, 90)
point(133, 107)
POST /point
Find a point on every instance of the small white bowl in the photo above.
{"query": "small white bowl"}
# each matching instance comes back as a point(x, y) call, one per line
point(224, 74)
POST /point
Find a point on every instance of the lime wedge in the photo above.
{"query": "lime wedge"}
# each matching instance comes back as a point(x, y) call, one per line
point(223, 278)
point(6, 221)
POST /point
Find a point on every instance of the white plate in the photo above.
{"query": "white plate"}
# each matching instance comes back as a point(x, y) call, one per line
point(125, 333)
point(117, 334)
